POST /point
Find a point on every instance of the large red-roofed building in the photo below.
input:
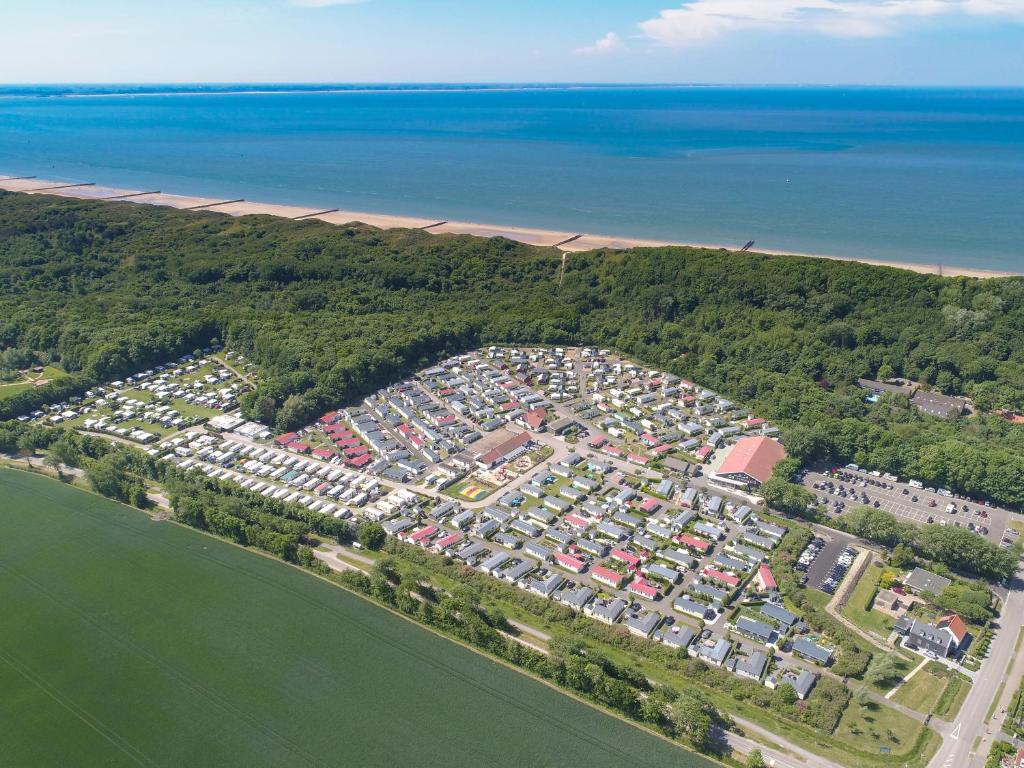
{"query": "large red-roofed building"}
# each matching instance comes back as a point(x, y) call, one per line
point(751, 462)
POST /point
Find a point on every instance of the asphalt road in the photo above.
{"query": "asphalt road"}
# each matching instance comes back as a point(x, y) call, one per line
point(956, 750)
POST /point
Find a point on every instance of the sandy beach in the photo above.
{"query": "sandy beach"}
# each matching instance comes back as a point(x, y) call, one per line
point(568, 241)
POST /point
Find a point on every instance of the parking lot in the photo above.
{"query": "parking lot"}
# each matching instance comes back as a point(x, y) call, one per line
point(819, 569)
point(916, 505)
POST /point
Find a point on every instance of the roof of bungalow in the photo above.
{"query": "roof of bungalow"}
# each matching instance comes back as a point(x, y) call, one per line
point(609, 528)
point(811, 650)
point(708, 591)
point(758, 630)
point(694, 542)
point(650, 504)
point(607, 610)
point(671, 575)
point(691, 607)
point(569, 561)
point(752, 666)
point(448, 541)
point(625, 557)
point(575, 598)
point(643, 622)
point(715, 653)
point(780, 614)
point(676, 636)
point(546, 586)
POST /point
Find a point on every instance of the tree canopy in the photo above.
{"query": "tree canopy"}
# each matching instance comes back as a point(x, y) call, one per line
point(330, 313)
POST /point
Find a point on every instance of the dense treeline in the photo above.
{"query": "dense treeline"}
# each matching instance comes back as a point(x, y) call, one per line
point(953, 547)
point(329, 313)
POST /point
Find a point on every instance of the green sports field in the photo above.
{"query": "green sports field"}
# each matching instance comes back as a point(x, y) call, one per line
point(130, 642)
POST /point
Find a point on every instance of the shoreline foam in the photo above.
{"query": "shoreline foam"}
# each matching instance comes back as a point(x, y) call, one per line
point(566, 241)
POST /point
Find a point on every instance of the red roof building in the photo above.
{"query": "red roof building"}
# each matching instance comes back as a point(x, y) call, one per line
point(607, 576)
point(640, 586)
point(447, 541)
point(694, 542)
point(625, 557)
point(956, 625)
point(765, 579)
point(577, 522)
point(650, 505)
point(751, 462)
point(423, 534)
point(359, 461)
point(329, 418)
point(298, 447)
point(286, 438)
point(574, 564)
point(506, 451)
point(324, 453)
point(721, 576)
point(535, 419)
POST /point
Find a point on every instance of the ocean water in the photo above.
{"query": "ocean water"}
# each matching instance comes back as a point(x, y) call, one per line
point(923, 175)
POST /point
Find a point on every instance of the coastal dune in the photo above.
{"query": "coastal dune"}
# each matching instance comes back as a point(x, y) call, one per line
point(567, 241)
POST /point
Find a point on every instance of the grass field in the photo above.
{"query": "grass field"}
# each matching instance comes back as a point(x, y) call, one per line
point(132, 642)
point(856, 608)
point(922, 691)
point(28, 380)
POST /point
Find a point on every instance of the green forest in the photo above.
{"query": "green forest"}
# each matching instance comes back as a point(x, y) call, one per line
point(329, 313)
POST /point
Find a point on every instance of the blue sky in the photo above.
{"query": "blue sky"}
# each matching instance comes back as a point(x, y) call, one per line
point(956, 42)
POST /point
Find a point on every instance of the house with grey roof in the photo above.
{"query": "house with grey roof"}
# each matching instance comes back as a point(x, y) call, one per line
point(808, 649)
point(801, 680)
point(751, 667)
point(516, 571)
point(919, 580)
point(575, 598)
point(546, 586)
point(596, 548)
point(675, 636)
point(642, 623)
point(713, 651)
point(714, 594)
point(491, 564)
point(754, 629)
point(606, 610)
point(671, 575)
point(693, 608)
point(785, 619)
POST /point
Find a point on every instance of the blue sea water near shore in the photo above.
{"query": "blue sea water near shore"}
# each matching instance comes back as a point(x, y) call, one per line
point(934, 176)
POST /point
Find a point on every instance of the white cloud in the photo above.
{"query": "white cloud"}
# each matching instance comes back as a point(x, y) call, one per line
point(322, 3)
point(610, 43)
point(698, 21)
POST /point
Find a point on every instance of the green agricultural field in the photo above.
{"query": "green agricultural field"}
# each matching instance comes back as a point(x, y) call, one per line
point(132, 642)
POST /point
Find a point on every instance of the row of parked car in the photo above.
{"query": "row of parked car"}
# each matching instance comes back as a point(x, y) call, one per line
point(810, 554)
point(838, 571)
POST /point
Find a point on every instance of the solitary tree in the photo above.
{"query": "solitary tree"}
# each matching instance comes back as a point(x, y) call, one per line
point(372, 536)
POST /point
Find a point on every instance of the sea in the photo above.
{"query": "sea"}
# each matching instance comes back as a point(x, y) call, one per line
point(927, 175)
